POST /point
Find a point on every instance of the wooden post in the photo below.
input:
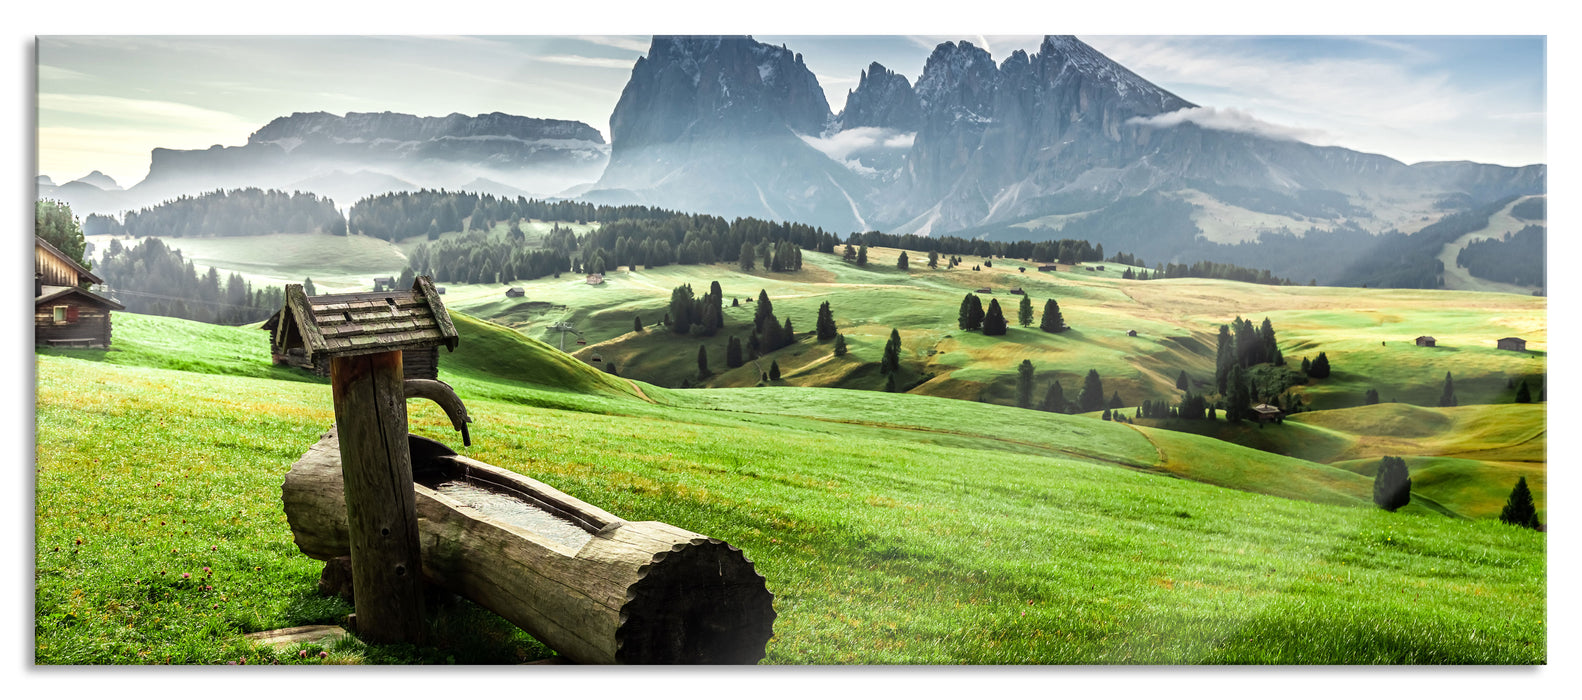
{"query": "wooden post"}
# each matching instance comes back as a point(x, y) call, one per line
point(381, 510)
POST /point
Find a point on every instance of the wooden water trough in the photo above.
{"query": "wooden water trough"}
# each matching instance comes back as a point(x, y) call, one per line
point(594, 587)
point(396, 511)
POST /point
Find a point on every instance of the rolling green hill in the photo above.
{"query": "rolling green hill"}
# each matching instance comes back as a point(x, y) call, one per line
point(892, 528)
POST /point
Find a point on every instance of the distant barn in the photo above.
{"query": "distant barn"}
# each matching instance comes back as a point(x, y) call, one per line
point(65, 314)
point(1264, 413)
point(1048, 268)
point(595, 278)
point(985, 290)
point(1425, 341)
point(383, 283)
point(1100, 268)
point(1018, 290)
point(515, 292)
point(1131, 334)
point(1516, 344)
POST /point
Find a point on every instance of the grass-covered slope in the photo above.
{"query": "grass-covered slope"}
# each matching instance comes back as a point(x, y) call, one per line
point(891, 528)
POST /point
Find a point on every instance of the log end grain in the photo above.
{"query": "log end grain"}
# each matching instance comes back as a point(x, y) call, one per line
point(701, 602)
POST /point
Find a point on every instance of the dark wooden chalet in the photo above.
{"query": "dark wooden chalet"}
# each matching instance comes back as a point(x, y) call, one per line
point(1425, 341)
point(65, 314)
point(1131, 334)
point(1100, 268)
point(515, 292)
point(1048, 268)
point(1018, 290)
point(1516, 344)
point(1264, 413)
point(309, 329)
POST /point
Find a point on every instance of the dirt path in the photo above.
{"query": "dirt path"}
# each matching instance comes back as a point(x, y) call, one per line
point(639, 391)
point(1458, 278)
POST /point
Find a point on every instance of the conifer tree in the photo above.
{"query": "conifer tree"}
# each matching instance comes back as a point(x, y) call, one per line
point(862, 255)
point(1182, 382)
point(826, 323)
point(774, 371)
point(763, 310)
point(1224, 357)
point(892, 354)
point(1054, 399)
point(1522, 394)
point(1519, 508)
point(933, 259)
point(788, 336)
point(637, 324)
point(1320, 368)
point(1115, 400)
point(1448, 398)
point(840, 344)
point(1370, 398)
point(1392, 484)
point(1092, 396)
point(1052, 321)
point(1024, 311)
point(1238, 398)
point(889, 383)
point(1024, 384)
point(994, 320)
point(901, 262)
point(703, 361)
point(308, 288)
point(733, 353)
point(1106, 415)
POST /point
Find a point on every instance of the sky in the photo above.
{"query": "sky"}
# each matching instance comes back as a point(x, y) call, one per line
point(104, 102)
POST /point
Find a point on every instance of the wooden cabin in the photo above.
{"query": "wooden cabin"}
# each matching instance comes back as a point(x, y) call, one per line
point(1100, 268)
point(1048, 268)
point(985, 290)
point(595, 278)
point(1264, 413)
point(65, 314)
point(416, 362)
point(515, 292)
point(1516, 344)
point(1018, 290)
point(1425, 341)
point(1131, 334)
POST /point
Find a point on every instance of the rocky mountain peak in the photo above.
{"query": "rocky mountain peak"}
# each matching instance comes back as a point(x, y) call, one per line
point(1066, 59)
point(884, 99)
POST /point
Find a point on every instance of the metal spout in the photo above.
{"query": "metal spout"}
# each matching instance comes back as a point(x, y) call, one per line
point(441, 393)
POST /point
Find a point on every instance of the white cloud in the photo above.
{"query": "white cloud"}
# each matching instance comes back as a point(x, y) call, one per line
point(630, 43)
point(569, 60)
point(48, 73)
point(843, 145)
point(1230, 119)
point(160, 112)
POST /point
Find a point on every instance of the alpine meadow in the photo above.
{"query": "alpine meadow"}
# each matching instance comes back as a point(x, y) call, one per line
point(1013, 357)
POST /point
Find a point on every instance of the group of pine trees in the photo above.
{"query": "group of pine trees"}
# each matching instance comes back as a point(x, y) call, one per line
point(1392, 490)
point(971, 316)
point(696, 316)
point(477, 258)
point(1066, 251)
point(244, 212)
point(152, 278)
point(1203, 269)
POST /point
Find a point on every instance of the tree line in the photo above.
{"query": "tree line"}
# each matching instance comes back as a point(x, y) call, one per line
point(152, 278)
point(1515, 258)
point(242, 212)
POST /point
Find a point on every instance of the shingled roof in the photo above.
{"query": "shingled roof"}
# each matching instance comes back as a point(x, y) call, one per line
point(366, 322)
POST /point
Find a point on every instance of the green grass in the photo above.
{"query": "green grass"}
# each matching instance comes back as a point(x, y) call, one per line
point(892, 528)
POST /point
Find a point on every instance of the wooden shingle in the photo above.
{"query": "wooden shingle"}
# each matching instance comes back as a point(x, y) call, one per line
point(335, 325)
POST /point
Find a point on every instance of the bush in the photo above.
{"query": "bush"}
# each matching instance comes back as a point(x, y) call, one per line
point(1392, 485)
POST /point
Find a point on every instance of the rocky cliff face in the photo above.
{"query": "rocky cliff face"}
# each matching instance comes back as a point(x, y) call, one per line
point(883, 99)
point(715, 124)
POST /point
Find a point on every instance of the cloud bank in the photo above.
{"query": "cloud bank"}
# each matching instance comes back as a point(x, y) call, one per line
point(1229, 119)
point(863, 139)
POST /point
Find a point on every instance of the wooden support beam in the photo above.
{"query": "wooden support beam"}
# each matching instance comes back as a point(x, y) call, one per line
point(381, 510)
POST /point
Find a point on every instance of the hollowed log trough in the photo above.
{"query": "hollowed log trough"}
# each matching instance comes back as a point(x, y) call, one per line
point(593, 587)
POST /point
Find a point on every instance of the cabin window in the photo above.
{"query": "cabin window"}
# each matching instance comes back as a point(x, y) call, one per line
point(60, 314)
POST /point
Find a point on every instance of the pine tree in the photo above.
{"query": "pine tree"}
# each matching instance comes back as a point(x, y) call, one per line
point(1448, 398)
point(1024, 311)
point(764, 310)
point(840, 344)
point(933, 260)
point(1054, 399)
point(1237, 398)
point(1115, 400)
point(1320, 368)
point(703, 361)
point(637, 324)
point(1092, 396)
point(1370, 398)
point(1182, 382)
point(774, 371)
point(892, 354)
point(747, 256)
point(1052, 322)
point(970, 318)
point(1106, 415)
point(901, 262)
point(1519, 508)
point(308, 288)
point(1392, 485)
point(826, 323)
point(1271, 349)
point(889, 383)
point(994, 320)
point(1224, 357)
point(1024, 384)
point(788, 336)
point(862, 255)
point(1522, 394)
point(733, 353)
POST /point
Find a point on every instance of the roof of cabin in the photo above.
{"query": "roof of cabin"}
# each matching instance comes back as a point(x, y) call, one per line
point(1266, 408)
point(367, 322)
point(81, 271)
point(52, 292)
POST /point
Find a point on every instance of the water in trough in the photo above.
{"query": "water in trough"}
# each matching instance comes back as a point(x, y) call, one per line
point(515, 511)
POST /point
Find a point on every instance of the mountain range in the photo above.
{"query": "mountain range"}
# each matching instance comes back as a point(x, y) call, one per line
point(1036, 145)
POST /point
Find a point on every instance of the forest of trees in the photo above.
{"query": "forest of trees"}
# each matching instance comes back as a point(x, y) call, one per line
point(1206, 270)
point(152, 278)
point(243, 212)
point(1515, 258)
point(477, 258)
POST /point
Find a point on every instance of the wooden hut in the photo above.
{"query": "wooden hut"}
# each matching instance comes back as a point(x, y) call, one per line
point(416, 362)
point(65, 314)
point(595, 278)
point(1048, 268)
point(985, 290)
point(1131, 334)
point(1425, 341)
point(1516, 344)
point(515, 292)
point(1018, 290)
point(1264, 413)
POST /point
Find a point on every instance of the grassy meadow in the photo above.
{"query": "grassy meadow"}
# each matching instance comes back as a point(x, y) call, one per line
point(892, 528)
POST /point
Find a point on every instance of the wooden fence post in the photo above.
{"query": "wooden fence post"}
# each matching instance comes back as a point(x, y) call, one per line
point(381, 509)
